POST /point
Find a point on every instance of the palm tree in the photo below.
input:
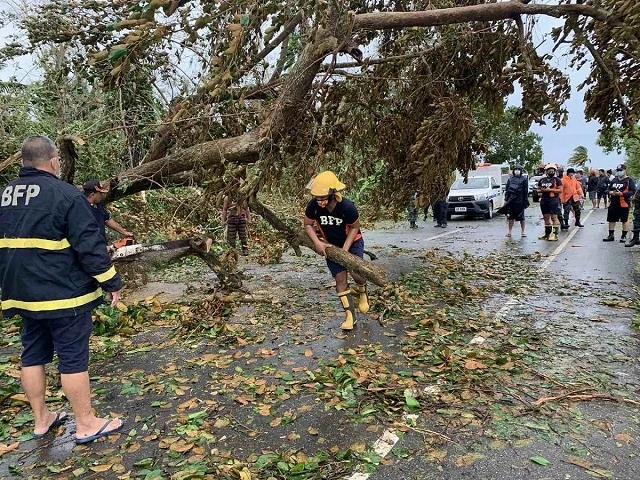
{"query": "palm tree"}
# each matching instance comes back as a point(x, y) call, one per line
point(579, 157)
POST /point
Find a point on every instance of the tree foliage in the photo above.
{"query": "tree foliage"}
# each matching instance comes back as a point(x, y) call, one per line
point(579, 157)
point(252, 94)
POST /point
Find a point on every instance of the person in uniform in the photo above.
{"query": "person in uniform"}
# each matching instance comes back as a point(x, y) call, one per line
point(621, 191)
point(516, 199)
point(549, 188)
point(338, 220)
point(54, 268)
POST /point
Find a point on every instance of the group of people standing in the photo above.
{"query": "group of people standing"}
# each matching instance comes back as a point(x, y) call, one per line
point(564, 192)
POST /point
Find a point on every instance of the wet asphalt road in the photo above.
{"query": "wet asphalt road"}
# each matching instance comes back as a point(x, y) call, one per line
point(585, 260)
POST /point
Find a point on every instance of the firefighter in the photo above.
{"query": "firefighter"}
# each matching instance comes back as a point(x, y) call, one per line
point(53, 269)
point(549, 188)
point(338, 221)
point(621, 191)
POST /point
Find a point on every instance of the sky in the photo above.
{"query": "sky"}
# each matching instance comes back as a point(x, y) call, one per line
point(557, 144)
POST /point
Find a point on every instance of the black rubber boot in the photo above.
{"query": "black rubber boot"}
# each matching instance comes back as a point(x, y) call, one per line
point(633, 241)
point(610, 238)
point(623, 238)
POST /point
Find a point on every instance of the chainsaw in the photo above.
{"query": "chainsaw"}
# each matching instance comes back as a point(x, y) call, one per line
point(127, 247)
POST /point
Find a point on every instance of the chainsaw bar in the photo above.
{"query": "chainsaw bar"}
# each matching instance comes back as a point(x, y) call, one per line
point(137, 249)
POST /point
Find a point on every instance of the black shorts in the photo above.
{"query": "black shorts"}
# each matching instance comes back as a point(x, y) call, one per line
point(550, 206)
point(602, 194)
point(68, 336)
point(357, 249)
point(618, 214)
point(515, 212)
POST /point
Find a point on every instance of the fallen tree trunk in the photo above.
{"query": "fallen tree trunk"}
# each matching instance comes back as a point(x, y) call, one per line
point(225, 266)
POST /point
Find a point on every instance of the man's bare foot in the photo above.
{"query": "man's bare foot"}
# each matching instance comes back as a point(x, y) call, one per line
point(83, 431)
point(49, 421)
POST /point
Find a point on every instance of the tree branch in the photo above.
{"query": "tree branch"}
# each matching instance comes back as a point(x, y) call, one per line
point(475, 13)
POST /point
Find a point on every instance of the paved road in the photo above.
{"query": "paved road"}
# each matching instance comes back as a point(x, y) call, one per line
point(300, 331)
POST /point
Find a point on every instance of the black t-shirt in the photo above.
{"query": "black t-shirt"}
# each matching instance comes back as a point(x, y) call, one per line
point(549, 182)
point(334, 225)
point(625, 185)
point(102, 217)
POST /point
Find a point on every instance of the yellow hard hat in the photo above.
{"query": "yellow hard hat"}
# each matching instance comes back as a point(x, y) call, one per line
point(326, 183)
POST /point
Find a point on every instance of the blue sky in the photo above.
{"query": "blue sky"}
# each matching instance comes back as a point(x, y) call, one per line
point(557, 144)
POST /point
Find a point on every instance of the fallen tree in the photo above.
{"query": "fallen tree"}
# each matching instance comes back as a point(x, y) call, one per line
point(240, 123)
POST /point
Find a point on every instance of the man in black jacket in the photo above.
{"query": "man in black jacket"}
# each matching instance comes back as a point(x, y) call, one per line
point(54, 268)
point(517, 199)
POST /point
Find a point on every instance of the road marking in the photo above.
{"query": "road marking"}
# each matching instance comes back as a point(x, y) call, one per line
point(558, 250)
point(388, 440)
point(441, 235)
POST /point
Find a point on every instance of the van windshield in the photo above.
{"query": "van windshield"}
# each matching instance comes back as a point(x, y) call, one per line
point(472, 183)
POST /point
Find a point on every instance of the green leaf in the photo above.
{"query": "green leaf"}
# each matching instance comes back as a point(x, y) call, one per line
point(244, 20)
point(411, 402)
point(540, 461)
point(117, 53)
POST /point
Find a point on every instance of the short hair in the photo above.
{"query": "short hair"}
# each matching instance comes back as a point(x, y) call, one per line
point(609, 171)
point(38, 149)
point(602, 170)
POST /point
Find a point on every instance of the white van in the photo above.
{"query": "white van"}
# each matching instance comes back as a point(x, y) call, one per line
point(481, 194)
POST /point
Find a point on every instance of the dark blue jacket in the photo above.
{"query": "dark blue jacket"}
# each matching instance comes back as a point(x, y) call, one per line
point(53, 259)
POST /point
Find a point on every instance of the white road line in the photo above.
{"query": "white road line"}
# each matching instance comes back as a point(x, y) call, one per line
point(558, 250)
point(441, 235)
point(388, 440)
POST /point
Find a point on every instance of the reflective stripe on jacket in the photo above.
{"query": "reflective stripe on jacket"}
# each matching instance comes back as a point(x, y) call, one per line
point(53, 259)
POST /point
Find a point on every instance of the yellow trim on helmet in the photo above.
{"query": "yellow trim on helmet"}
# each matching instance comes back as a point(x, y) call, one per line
point(34, 243)
point(48, 305)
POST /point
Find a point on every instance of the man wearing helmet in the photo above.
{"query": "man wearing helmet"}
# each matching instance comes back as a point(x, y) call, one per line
point(549, 188)
point(337, 219)
point(517, 199)
point(621, 191)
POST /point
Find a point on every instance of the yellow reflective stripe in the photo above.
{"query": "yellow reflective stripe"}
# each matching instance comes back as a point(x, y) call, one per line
point(48, 305)
point(108, 275)
point(34, 243)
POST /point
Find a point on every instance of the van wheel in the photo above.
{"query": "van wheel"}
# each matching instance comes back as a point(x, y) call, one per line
point(489, 214)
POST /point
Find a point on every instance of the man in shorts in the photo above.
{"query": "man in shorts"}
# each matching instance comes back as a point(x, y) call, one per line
point(54, 268)
point(338, 220)
point(516, 199)
point(549, 188)
point(621, 190)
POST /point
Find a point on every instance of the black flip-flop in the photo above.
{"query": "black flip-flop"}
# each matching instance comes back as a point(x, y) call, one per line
point(61, 417)
point(102, 432)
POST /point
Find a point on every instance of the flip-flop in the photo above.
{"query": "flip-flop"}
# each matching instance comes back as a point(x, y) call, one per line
point(508, 235)
point(523, 235)
point(102, 432)
point(61, 417)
